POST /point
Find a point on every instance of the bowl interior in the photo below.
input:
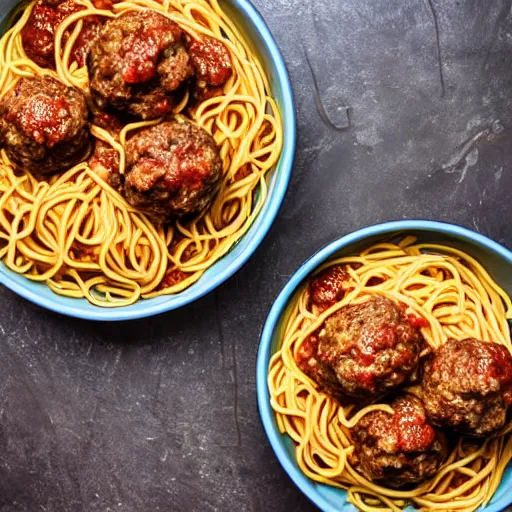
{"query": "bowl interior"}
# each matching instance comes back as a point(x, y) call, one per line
point(496, 259)
point(252, 26)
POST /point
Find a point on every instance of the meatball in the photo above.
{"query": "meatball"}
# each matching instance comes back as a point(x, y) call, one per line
point(38, 34)
point(172, 169)
point(137, 63)
point(329, 287)
point(401, 448)
point(212, 65)
point(90, 32)
point(365, 350)
point(211, 62)
point(467, 386)
point(105, 163)
point(44, 125)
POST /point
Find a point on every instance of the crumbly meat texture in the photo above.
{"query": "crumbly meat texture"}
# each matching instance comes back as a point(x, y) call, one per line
point(44, 125)
point(363, 351)
point(329, 287)
point(467, 386)
point(172, 169)
point(38, 34)
point(212, 65)
point(137, 64)
point(105, 163)
point(401, 448)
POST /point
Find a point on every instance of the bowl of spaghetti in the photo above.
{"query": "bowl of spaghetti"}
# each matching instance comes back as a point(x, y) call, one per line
point(146, 148)
point(374, 365)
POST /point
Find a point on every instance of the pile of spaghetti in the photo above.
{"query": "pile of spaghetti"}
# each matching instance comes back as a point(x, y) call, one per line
point(458, 299)
point(44, 225)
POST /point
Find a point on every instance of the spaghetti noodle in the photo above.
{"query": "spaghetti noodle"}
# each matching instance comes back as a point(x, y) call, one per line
point(459, 299)
point(78, 235)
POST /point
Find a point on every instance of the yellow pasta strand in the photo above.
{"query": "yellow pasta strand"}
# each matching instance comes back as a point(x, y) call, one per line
point(458, 298)
point(78, 235)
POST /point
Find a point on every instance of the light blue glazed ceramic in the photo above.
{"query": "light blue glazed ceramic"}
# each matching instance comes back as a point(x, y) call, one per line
point(496, 259)
point(251, 24)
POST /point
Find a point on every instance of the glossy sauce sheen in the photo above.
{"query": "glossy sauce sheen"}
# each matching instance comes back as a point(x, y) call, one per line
point(39, 31)
point(142, 49)
point(172, 278)
point(211, 61)
point(42, 119)
point(328, 287)
point(38, 34)
point(406, 430)
point(89, 32)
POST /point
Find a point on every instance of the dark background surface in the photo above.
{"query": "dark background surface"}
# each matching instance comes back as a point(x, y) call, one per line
point(160, 414)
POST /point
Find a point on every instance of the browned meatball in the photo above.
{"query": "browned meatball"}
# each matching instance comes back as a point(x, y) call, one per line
point(44, 125)
point(467, 386)
point(173, 169)
point(137, 63)
point(38, 34)
point(212, 65)
point(105, 163)
point(363, 350)
point(329, 286)
point(401, 448)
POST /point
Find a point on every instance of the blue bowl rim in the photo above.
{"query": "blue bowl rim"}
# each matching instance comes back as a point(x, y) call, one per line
point(306, 485)
point(248, 11)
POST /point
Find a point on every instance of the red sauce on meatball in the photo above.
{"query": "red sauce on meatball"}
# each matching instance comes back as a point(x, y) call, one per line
point(401, 448)
point(328, 287)
point(42, 119)
point(38, 34)
point(89, 32)
point(106, 120)
point(306, 351)
point(411, 429)
point(142, 49)
point(194, 167)
point(499, 367)
point(173, 278)
point(417, 321)
point(105, 159)
point(467, 386)
point(407, 428)
point(211, 61)
point(372, 341)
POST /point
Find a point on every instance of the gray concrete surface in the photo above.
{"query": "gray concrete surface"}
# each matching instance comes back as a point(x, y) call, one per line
point(160, 414)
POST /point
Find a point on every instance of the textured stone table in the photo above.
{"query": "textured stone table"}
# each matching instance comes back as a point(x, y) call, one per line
point(396, 120)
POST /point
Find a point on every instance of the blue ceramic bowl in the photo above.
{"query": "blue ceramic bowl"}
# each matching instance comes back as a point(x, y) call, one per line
point(256, 32)
point(495, 258)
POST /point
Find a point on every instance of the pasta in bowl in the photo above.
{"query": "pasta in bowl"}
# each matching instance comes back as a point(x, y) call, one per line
point(145, 151)
point(384, 371)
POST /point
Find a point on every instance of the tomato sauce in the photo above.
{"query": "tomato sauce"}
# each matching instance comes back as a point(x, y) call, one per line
point(212, 61)
point(38, 34)
point(407, 427)
point(143, 48)
point(173, 278)
point(500, 368)
point(417, 321)
point(328, 287)
point(194, 167)
point(42, 119)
